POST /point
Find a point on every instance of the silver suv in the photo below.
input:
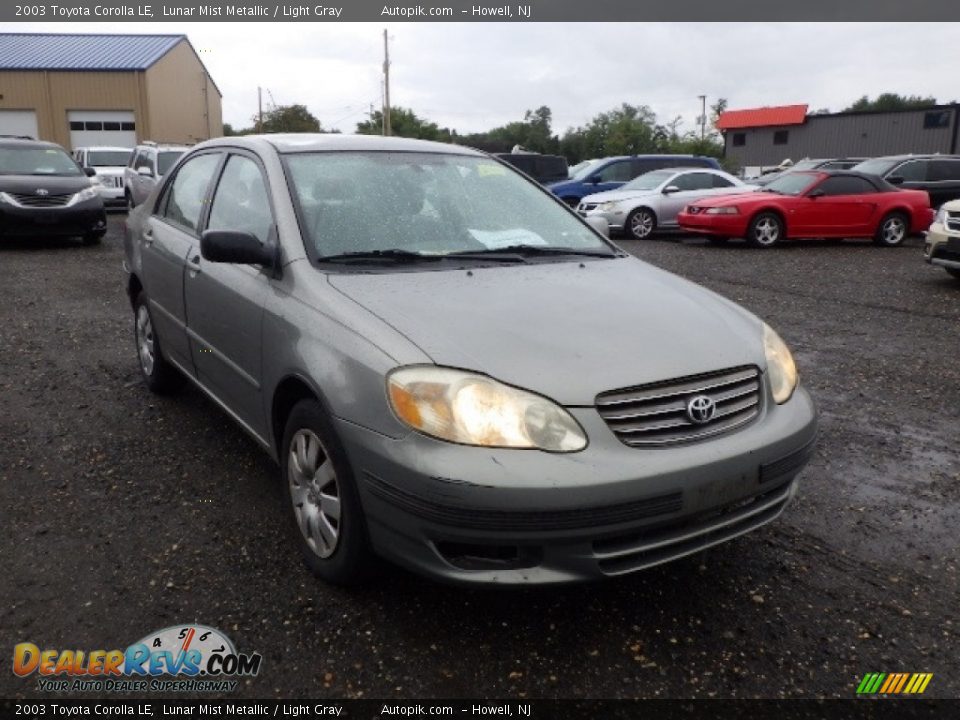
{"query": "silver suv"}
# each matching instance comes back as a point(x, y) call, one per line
point(454, 370)
point(149, 162)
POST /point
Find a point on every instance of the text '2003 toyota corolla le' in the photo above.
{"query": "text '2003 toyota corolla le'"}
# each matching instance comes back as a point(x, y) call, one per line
point(453, 370)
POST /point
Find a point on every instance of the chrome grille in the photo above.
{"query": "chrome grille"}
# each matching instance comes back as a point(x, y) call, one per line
point(656, 414)
point(953, 221)
point(41, 200)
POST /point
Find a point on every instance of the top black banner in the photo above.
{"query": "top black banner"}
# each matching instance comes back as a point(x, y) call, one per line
point(486, 11)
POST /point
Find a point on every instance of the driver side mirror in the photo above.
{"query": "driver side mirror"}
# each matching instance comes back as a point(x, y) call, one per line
point(895, 180)
point(236, 246)
point(144, 171)
point(670, 189)
point(814, 194)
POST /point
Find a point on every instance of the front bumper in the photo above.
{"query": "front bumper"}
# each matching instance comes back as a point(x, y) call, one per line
point(615, 218)
point(86, 218)
point(942, 247)
point(482, 515)
point(723, 225)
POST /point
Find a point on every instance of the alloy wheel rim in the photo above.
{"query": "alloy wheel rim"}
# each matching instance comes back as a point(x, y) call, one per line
point(767, 231)
point(145, 346)
point(314, 492)
point(641, 225)
point(893, 231)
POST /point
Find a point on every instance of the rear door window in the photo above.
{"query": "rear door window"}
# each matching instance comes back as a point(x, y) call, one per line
point(912, 171)
point(617, 171)
point(945, 170)
point(845, 185)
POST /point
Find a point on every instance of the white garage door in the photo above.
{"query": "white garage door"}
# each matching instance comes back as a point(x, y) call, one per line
point(18, 122)
point(114, 128)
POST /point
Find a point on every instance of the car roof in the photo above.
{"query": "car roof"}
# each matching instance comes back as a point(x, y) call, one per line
point(25, 142)
point(104, 147)
point(875, 180)
point(337, 142)
point(919, 156)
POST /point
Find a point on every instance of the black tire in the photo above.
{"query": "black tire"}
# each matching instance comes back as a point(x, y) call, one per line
point(130, 204)
point(641, 224)
point(715, 240)
point(765, 231)
point(954, 272)
point(93, 238)
point(159, 375)
point(348, 559)
point(892, 230)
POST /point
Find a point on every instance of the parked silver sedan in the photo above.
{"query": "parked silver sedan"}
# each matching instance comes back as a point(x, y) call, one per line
point(452, 369)
point(653, 200)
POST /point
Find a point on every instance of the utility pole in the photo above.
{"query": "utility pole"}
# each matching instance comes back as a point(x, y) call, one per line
point(703, 117)
point(259, 109)
point(386, 84)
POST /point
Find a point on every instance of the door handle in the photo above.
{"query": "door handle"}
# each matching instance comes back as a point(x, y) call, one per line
point(148, 237)
point(194, 264)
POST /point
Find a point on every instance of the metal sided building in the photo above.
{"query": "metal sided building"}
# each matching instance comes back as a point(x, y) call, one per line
point(764, 137)
point(81, 90)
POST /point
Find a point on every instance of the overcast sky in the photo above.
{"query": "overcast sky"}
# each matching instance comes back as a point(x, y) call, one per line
point(474, 76)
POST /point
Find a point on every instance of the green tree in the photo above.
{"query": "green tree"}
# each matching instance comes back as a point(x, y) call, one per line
point(892, 101)
point(534, 133)
point(404, 123)
point(627, 130)
point(288, 119)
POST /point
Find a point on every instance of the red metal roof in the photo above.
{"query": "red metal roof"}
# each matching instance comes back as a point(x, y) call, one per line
point(762, 117)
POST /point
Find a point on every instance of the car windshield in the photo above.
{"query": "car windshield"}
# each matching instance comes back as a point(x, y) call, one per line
point(582, 169)
point(37, 161)
point(877, 166)
point(792, 183)
point(108, 158)
point(427, 204)
point(166, 159)
point(649, 181)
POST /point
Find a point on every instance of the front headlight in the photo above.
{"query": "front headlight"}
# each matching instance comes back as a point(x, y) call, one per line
point(88, 193)
point(730, 210)
point(4, 198)
point(474, 409)
point(780, 366)
point(606, 206)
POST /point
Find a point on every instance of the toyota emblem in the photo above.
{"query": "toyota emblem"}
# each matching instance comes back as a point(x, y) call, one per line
point(700, 409)
point(42, 191)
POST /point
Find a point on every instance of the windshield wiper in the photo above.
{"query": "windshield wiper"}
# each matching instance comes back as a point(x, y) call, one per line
point(532, 250)
point(390, 255)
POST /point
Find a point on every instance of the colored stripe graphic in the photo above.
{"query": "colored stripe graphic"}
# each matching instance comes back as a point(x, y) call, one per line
point(894, 683)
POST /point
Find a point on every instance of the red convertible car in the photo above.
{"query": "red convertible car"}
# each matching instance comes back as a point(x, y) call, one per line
point(835, 204)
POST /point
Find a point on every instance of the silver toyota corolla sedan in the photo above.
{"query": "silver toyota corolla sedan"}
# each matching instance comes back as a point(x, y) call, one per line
point(653, 200)
point(452, 369)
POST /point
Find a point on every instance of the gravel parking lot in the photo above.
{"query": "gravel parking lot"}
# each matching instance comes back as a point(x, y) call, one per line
point(125, 513)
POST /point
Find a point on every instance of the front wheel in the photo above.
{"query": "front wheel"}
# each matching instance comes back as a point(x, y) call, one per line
point(892, 230)
point(130, 203)
point(765, 231)
point(641, 223)
point(322, 499)
point(159, 375)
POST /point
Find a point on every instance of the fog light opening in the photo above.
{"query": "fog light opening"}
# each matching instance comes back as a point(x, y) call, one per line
point(469, 556)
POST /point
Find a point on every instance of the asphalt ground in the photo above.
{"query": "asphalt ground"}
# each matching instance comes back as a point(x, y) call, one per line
point(123, 513)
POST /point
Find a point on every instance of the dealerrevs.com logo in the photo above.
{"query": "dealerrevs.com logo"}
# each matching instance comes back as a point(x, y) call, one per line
point(182, 658)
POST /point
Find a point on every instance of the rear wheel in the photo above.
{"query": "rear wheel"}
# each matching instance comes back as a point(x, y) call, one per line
point(765, 231)
point(159, 375)
point(641, 223)
point(892, 230)
point(322, 499)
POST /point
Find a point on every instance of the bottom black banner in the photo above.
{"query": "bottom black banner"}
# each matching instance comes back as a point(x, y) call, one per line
point(873, 709)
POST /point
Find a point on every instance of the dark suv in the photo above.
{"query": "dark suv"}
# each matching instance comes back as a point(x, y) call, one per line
point(43, 193)
point(610, 173)
point(939, 175)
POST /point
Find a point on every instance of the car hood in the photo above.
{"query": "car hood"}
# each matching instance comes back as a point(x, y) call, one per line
point(110, 170)
point(566, 330)
point(747, 196)
point(617, 195)
point(562, 185)
point(53, 184)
